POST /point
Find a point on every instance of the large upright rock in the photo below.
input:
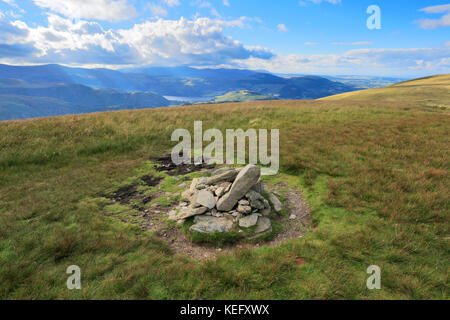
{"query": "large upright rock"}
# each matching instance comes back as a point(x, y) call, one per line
point(245, 180)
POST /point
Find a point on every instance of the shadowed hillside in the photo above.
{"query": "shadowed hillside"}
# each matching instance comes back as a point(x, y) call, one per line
point(20, 99)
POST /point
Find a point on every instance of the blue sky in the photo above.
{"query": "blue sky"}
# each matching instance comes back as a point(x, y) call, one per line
point(291, 36)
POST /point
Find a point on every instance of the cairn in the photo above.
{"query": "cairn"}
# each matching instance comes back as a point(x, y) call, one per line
point(229, 200)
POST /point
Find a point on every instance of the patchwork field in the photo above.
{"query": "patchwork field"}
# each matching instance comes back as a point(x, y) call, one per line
point(375, 175)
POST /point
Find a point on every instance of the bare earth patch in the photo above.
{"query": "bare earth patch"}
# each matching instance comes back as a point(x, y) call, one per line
point(292, 228)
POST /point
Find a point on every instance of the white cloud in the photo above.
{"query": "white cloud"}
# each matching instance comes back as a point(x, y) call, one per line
point(444, 21)
point(106, 10)
point(398, 62)
point(362, 43)
point(359, 43)
point(163, 42)
point(305, 3)
point(437, 9)
point(226, 3)
point(206, 5)
point(311, 43)
point(12, 3)
point(157, 10)
point(172, 3)
point(282, 28)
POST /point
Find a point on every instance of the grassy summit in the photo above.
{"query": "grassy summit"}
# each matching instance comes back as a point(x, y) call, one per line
point(375, 173)
point(434, 90)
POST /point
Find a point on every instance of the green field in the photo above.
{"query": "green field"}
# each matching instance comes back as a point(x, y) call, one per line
point(375, 174)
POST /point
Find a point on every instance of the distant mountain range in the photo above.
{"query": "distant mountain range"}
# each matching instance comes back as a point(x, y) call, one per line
point(180, 81)
point(31, 91)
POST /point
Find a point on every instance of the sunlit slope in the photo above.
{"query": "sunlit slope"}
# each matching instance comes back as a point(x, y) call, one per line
point(434, 90)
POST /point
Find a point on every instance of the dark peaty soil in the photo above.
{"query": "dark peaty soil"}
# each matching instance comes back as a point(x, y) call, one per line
point(166, 165)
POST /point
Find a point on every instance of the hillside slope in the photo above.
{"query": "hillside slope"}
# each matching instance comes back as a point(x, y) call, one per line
point(180, 81)
point(434, 90)
point(20, 99)
point(374, 174)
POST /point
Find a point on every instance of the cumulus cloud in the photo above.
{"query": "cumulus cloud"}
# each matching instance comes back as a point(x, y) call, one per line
point(444, 21)
point(164, 42)
point(11, 32)
point(105, 10)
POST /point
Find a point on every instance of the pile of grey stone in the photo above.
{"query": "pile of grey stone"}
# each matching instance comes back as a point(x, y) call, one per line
point(229, 200)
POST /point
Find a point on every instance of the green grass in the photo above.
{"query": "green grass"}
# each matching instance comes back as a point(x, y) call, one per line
point(376, 175)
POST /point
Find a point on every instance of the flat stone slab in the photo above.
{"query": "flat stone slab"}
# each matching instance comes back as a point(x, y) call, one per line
point(209, 224)
point(249, 221)
point(186, 212)
point(221, 170)
point(196, 183)
point(263, 225)
point(205, 198)
point(225, 176)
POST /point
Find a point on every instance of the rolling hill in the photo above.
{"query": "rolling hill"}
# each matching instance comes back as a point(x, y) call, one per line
point(180, 81)
point(20, 99)
point(62, 90)
point(434, 90)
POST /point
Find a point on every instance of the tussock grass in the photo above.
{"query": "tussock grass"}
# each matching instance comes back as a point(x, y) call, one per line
point(376, 175)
